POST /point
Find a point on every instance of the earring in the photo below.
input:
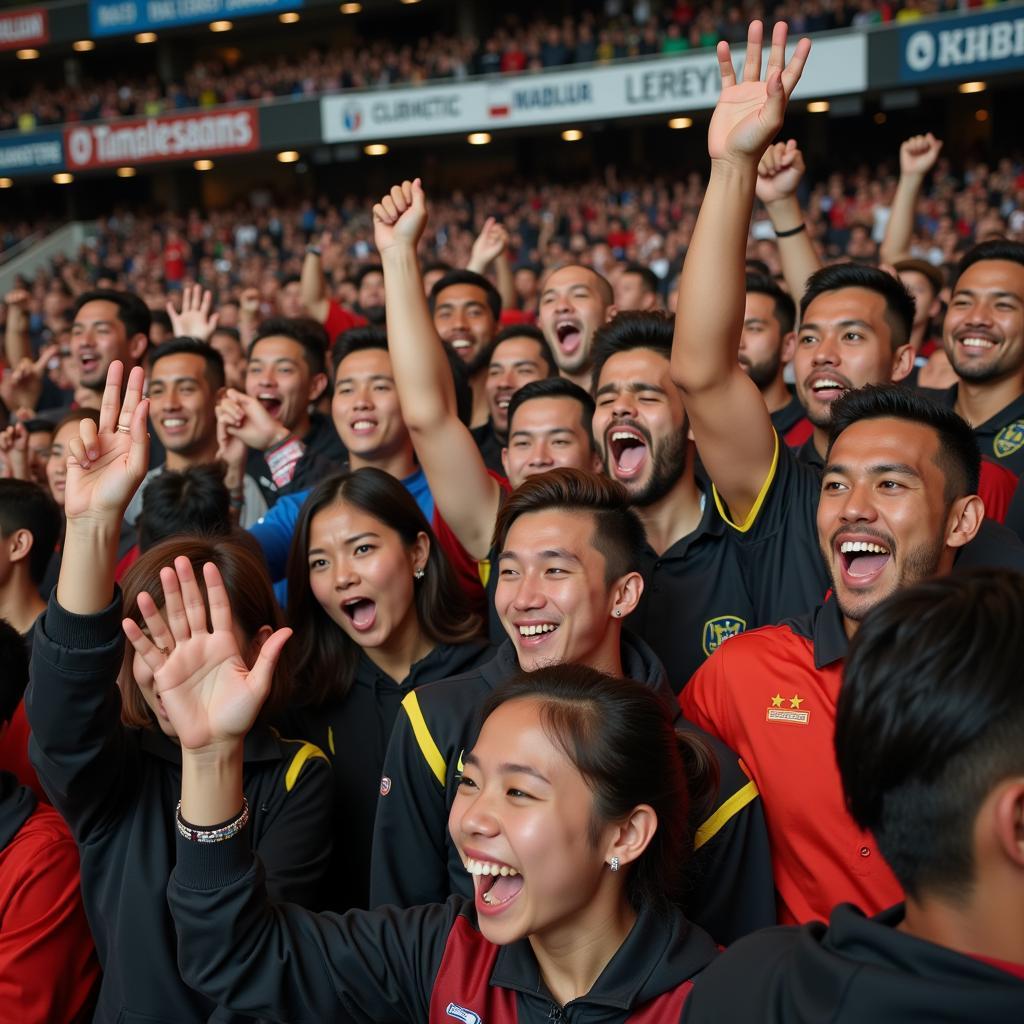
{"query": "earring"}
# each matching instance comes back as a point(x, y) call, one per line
point(614, 864)
point(419, 574)
point(618, 613)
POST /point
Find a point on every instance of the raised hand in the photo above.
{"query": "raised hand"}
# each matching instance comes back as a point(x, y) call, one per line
point(749, 113)
point(194, 320)
point(249, 302)
point(14, 453)
point(106, 465)
point(400, 217)
point(919, 153)
point(23, 385)
point(209, 693)
point(779, 172)
point(489, 245)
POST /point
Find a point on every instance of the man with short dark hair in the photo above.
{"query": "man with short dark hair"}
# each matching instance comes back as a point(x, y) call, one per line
point(107, 325)
point(567, 541)
point(983, 336)
point(369, 282)
point(194, 500)
point(636, 288)
point(942, 792)
point(30, 526)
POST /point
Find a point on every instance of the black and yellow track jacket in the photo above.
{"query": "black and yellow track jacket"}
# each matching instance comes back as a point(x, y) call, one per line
point(118, 788)
point(728, 883)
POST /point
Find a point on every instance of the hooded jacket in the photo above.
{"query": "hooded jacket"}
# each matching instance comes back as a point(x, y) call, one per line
point(855, 970)
point(728, 883)
point(425, 964)
point(353, 732)
point(117, 788)
point(48, 969)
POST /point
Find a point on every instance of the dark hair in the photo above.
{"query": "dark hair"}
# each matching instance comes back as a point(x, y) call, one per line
point(922, 737)
point(325, 656)
point(193, 501)
point(534, 334)
point(785, 307)
point(358, 339)
point(454, 277)
point(437, 265)
point(191, 347)
point(928, 271)
point(958, 458)
point(603, 284)
point(618, 532)
point(232, 332)
point(14, 678)
point(161, 317)
point(26, 506)
point(368, 268)
point(619, 736)
point(995, 249)
point(131, 310)
point(308, 333)
point(631, 330)
point(556, 387)
point(899, 303)
point(290, 279)
point(76, 416)
point(39, 425)
point(253, 606)
point(647, 276)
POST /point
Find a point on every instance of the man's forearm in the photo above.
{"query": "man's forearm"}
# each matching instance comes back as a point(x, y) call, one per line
point(796, 251)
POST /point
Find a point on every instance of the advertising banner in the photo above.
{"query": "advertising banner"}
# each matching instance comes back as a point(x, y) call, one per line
point(963, 47)
point(40, 151)
point(118, 17)
point(631, 89)
point(28, 26)
point(174, 137)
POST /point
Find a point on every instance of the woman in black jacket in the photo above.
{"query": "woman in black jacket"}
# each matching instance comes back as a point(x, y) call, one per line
point(571, 816)
point(377, 612)
point(110, 759)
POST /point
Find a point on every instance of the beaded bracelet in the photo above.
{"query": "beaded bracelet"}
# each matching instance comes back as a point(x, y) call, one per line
point(213, 835)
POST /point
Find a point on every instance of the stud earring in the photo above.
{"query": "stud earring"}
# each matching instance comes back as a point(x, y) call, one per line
point(419, 574)
point(614, 864)
point(618, 613)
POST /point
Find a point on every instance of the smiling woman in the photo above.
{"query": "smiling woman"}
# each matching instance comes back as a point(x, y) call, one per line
point(571, 817)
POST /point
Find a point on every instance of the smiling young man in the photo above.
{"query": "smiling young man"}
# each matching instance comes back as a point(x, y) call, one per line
point(983, 336)
point(107, 325)
point(186, 378)
point(574, 301)
point(942, 792)
point(568, 543)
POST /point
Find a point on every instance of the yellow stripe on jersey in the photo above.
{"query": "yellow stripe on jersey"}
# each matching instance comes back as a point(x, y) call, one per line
point(428, 748)
point(305, 752)
point(762, 494)
point(729, 809)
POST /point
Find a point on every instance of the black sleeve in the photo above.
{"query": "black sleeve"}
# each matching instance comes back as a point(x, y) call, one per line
point(84, 756)
point(296, 843)
point(728, 885)
point(778, 543)
point(1015, 515)
point(313, 467)
point(284, 963)
point(409, 860)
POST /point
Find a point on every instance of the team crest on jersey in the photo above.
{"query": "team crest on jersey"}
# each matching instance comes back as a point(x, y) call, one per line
point(1009, 440)
point(720, 629)
point(788, 709)
point(461, 1013)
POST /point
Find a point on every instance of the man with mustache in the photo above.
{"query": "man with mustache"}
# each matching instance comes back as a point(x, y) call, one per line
point(897, 504)
point(983, 337)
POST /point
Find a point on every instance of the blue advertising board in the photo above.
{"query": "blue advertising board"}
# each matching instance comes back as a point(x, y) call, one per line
point(117, 17)
point(40, 151)
point(963, 47)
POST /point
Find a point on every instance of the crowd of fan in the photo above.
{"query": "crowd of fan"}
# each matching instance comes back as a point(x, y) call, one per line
point(644, 29)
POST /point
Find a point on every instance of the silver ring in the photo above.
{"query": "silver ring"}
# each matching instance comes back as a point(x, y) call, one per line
point(123, 430)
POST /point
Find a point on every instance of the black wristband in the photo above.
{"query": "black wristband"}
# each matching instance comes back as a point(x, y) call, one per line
point(313, 250)
point(791, 231)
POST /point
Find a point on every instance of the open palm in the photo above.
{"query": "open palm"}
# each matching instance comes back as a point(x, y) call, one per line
point(749, 113)
point(209, 693)
point(107, 463)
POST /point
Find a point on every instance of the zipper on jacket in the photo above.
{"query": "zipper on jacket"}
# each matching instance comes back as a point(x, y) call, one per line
point(555, 1014)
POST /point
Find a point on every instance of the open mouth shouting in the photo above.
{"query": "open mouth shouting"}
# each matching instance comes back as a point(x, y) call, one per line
point(496, 884)
point(271, 401)
point(89, 362)
point(827, 386)
point(628, 448)
point(570, 336)
point(361, 612)
point(862, 559)
point(460, 342)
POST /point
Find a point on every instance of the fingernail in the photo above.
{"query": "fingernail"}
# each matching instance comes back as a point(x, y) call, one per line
point(93, 453)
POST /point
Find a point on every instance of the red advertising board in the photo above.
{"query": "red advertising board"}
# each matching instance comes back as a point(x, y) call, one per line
point(170, 137)
point(27, 26)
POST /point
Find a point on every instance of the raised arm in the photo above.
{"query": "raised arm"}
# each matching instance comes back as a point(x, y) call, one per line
point(491, 248)
point(778, 175)
point(17, 345)
point(917, 158)
point(729, 419)
point(465, 493)
point(312, 282)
